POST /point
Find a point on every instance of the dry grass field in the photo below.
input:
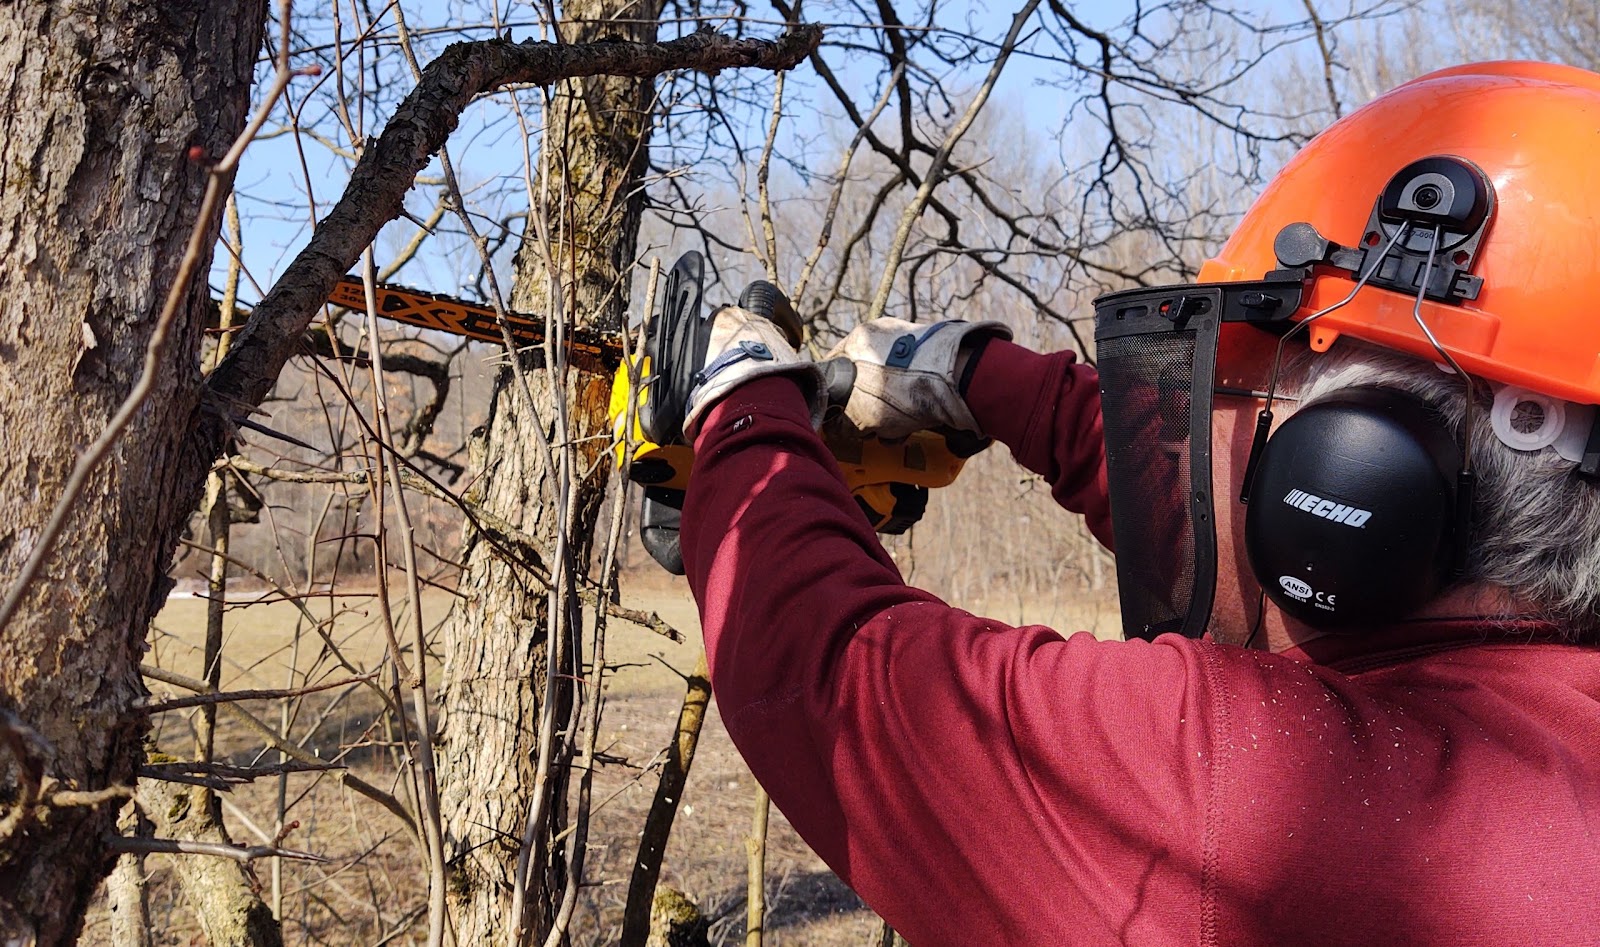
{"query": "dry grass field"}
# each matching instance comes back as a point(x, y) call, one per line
point(371, 890)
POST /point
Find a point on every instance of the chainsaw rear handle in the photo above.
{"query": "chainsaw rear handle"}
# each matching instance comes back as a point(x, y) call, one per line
point(838, 380)
point(768, 301)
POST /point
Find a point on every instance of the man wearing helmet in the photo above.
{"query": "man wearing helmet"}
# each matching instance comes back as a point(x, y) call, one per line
point(1362, 707)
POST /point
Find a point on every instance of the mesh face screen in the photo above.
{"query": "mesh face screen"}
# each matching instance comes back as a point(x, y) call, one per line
point(1145, 384)
point(1157, 350)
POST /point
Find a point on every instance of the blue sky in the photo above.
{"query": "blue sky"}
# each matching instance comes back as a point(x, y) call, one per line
point(272, 185)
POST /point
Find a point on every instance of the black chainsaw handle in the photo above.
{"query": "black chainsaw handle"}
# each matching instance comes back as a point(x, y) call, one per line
point(769, 302)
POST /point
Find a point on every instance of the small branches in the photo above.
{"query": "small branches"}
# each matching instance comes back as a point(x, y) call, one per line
point(941, 157)
point(223, 776)
point(38, 792)
point(292, 750)
point(664, 806)
point(418, 129)
point(202, 700)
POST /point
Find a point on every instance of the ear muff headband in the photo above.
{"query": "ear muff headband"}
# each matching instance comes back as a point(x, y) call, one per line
point(1352, 517)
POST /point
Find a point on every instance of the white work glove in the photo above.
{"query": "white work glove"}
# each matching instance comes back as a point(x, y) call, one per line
point(744, 346)
point(906, 375)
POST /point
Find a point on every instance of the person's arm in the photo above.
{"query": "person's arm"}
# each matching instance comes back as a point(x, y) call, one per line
point(1046, 408)
point(976, 783)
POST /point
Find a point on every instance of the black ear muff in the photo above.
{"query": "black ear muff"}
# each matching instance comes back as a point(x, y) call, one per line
point(1352, 510)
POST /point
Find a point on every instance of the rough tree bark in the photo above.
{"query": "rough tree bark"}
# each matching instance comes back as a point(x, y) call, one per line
point(128, 892)
point(222, 892)
point(102, 102)
point(495, 653)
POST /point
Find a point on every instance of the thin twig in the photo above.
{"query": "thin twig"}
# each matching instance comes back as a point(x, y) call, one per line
point(240, 853)
point(543, 791)
point(935, 171)
point(841, 179)
point(577, 843)
point(887, 936)
point(223, 775)
point(433, 831)
point(1326, 52)
point(664, 807)
point(223, 697)
point(756, 895)
point(278, 742)
point(769, 234)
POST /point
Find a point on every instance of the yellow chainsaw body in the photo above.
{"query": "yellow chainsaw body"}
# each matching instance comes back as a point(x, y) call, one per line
point(871, 467)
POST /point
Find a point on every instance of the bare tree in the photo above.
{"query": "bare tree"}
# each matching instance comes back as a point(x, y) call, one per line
point(99, 287)
point(514, 647)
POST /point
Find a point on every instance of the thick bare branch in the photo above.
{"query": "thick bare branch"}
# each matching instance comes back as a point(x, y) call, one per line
point(420, 125)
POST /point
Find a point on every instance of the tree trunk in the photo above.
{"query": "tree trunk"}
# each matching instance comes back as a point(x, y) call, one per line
point(495, 653)
point(103, 102)
point(128, 891)
point(222, 892)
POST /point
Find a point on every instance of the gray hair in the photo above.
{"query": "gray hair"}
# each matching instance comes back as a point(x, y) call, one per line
point(1536, 523)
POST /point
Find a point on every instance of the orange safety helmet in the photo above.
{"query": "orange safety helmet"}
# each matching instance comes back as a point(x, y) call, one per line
point(1463, 209)
point(1533, 129)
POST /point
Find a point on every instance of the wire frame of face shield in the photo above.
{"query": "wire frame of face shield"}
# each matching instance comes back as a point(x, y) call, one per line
point(1156, 350)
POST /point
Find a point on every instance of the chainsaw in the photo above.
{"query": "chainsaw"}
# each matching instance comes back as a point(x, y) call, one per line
point(889, 481)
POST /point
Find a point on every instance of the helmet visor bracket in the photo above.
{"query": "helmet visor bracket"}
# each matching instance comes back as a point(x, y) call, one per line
point(1421, 238)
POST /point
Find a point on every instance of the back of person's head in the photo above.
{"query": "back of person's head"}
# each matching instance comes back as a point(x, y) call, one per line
point(1535, 522)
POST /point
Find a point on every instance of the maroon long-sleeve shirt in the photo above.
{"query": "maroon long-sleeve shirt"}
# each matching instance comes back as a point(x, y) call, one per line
point(983, 784)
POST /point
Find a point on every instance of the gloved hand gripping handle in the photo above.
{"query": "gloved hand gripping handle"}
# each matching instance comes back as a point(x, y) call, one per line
point(679, 334)
point(889, 478)
point(768, 301)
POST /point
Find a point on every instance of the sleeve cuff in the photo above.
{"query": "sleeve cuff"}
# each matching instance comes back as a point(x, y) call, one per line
point(1013, 392)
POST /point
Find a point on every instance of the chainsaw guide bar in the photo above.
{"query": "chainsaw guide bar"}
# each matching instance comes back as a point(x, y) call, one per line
point(587, 349)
